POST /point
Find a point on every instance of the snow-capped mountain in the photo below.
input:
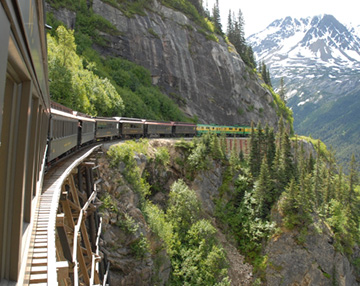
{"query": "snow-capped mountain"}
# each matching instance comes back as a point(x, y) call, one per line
point(318, 57)
point(319, 60)
point(321, 39)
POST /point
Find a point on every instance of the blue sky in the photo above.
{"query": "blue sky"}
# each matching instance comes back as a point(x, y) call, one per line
point(259, 14)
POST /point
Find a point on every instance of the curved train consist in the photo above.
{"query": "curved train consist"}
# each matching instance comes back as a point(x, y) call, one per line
point(70, 129)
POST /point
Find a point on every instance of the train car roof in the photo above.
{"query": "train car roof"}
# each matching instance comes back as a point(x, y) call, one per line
point(108, 119)
point(151, 122)
point(229, 126)
point(83, 117)
point(62, 113)
point(130, 120)
point(184, 124)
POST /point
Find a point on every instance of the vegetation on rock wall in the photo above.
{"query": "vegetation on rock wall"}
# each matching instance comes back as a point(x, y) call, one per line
point(196, 256)
point(75, 86)
point(106, 87)
point(277, 179)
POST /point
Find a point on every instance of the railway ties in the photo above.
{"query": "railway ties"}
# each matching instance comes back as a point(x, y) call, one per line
point(62, 249)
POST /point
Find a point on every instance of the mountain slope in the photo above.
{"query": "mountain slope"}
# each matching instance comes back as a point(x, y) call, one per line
point(193, 67)
point(319, 59)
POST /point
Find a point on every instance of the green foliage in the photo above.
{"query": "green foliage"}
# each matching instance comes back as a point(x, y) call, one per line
point(130, 8)
point(282, 109)
point(75, 86)
point(196, 256)
point(162, 156)
point(125, 153)
point(236, 35)
point(108, 203)
point(132, 83)
point(319, 146)
point(143, 100)
point(140, 247)
point(57, 4)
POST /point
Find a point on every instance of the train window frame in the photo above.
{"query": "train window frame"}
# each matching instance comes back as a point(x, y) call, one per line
point(4, 38)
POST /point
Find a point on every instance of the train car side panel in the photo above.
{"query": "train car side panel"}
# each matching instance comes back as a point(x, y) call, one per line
point(106, 128)
point(63, 134)
point(24, 119)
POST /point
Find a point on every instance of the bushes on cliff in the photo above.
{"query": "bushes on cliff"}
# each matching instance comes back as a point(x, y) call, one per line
point(125, 87)
point(196, 256)
point(75, 86)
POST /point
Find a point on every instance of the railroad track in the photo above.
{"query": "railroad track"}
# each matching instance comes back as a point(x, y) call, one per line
point(43, 266)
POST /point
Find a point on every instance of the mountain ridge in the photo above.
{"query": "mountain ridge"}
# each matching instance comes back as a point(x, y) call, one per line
point(319, 59)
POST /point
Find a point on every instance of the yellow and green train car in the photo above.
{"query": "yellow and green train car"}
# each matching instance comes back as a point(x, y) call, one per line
point(228, 131)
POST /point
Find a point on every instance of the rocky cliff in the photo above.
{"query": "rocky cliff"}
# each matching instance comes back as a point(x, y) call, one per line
point(306, 256)
point(205, 77)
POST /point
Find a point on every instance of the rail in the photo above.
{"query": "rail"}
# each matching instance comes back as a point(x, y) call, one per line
point(60, 214)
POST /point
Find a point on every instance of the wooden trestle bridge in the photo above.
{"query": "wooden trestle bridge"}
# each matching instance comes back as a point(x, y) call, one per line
point(65, 244)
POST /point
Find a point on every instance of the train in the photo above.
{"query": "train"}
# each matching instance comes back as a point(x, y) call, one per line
point(71, 130)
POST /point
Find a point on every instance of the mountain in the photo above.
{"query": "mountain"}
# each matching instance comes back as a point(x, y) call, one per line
point(319, 59)
point(196, 68)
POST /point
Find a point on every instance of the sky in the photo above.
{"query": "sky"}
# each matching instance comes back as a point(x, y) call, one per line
point(259, 14)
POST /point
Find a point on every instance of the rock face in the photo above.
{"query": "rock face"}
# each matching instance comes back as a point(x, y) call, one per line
point(124, 230)
point(206, 79)
point(307, 258)
point(124, 225)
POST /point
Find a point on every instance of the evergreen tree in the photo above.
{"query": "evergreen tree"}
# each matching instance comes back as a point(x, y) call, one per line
point(340, 187)
point(270, 147)
point(264, 190)
point(236, 35)
point(286, 161)
point(230, 27)
point(282, 90)
point(198, 4)
point(353, 179)
point(249, 56)
point(254, 156)
point(216, 18)
point(318, 179)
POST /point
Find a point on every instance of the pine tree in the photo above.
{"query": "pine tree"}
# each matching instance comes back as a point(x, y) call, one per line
point(353, 179)
point(339, 186)
point(318, 179)
point(286, 161)
point(282, 90)
point(198, 4)
point(230, 27)
point(270, 147)
point(254, 152)
point(216, 18)
point(264, 190)
point(289, 204)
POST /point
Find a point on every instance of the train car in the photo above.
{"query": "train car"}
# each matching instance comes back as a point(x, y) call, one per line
point(131, 127)
point(86, 126)
point(106, 128)
point(158, 128)
point(63, 133)
point(184, 129)
point(24, 119)
point(229, 131)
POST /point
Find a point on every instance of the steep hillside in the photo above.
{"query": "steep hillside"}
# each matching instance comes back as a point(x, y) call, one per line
point(183, 213)
point(319, 59)
point(194, 67)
